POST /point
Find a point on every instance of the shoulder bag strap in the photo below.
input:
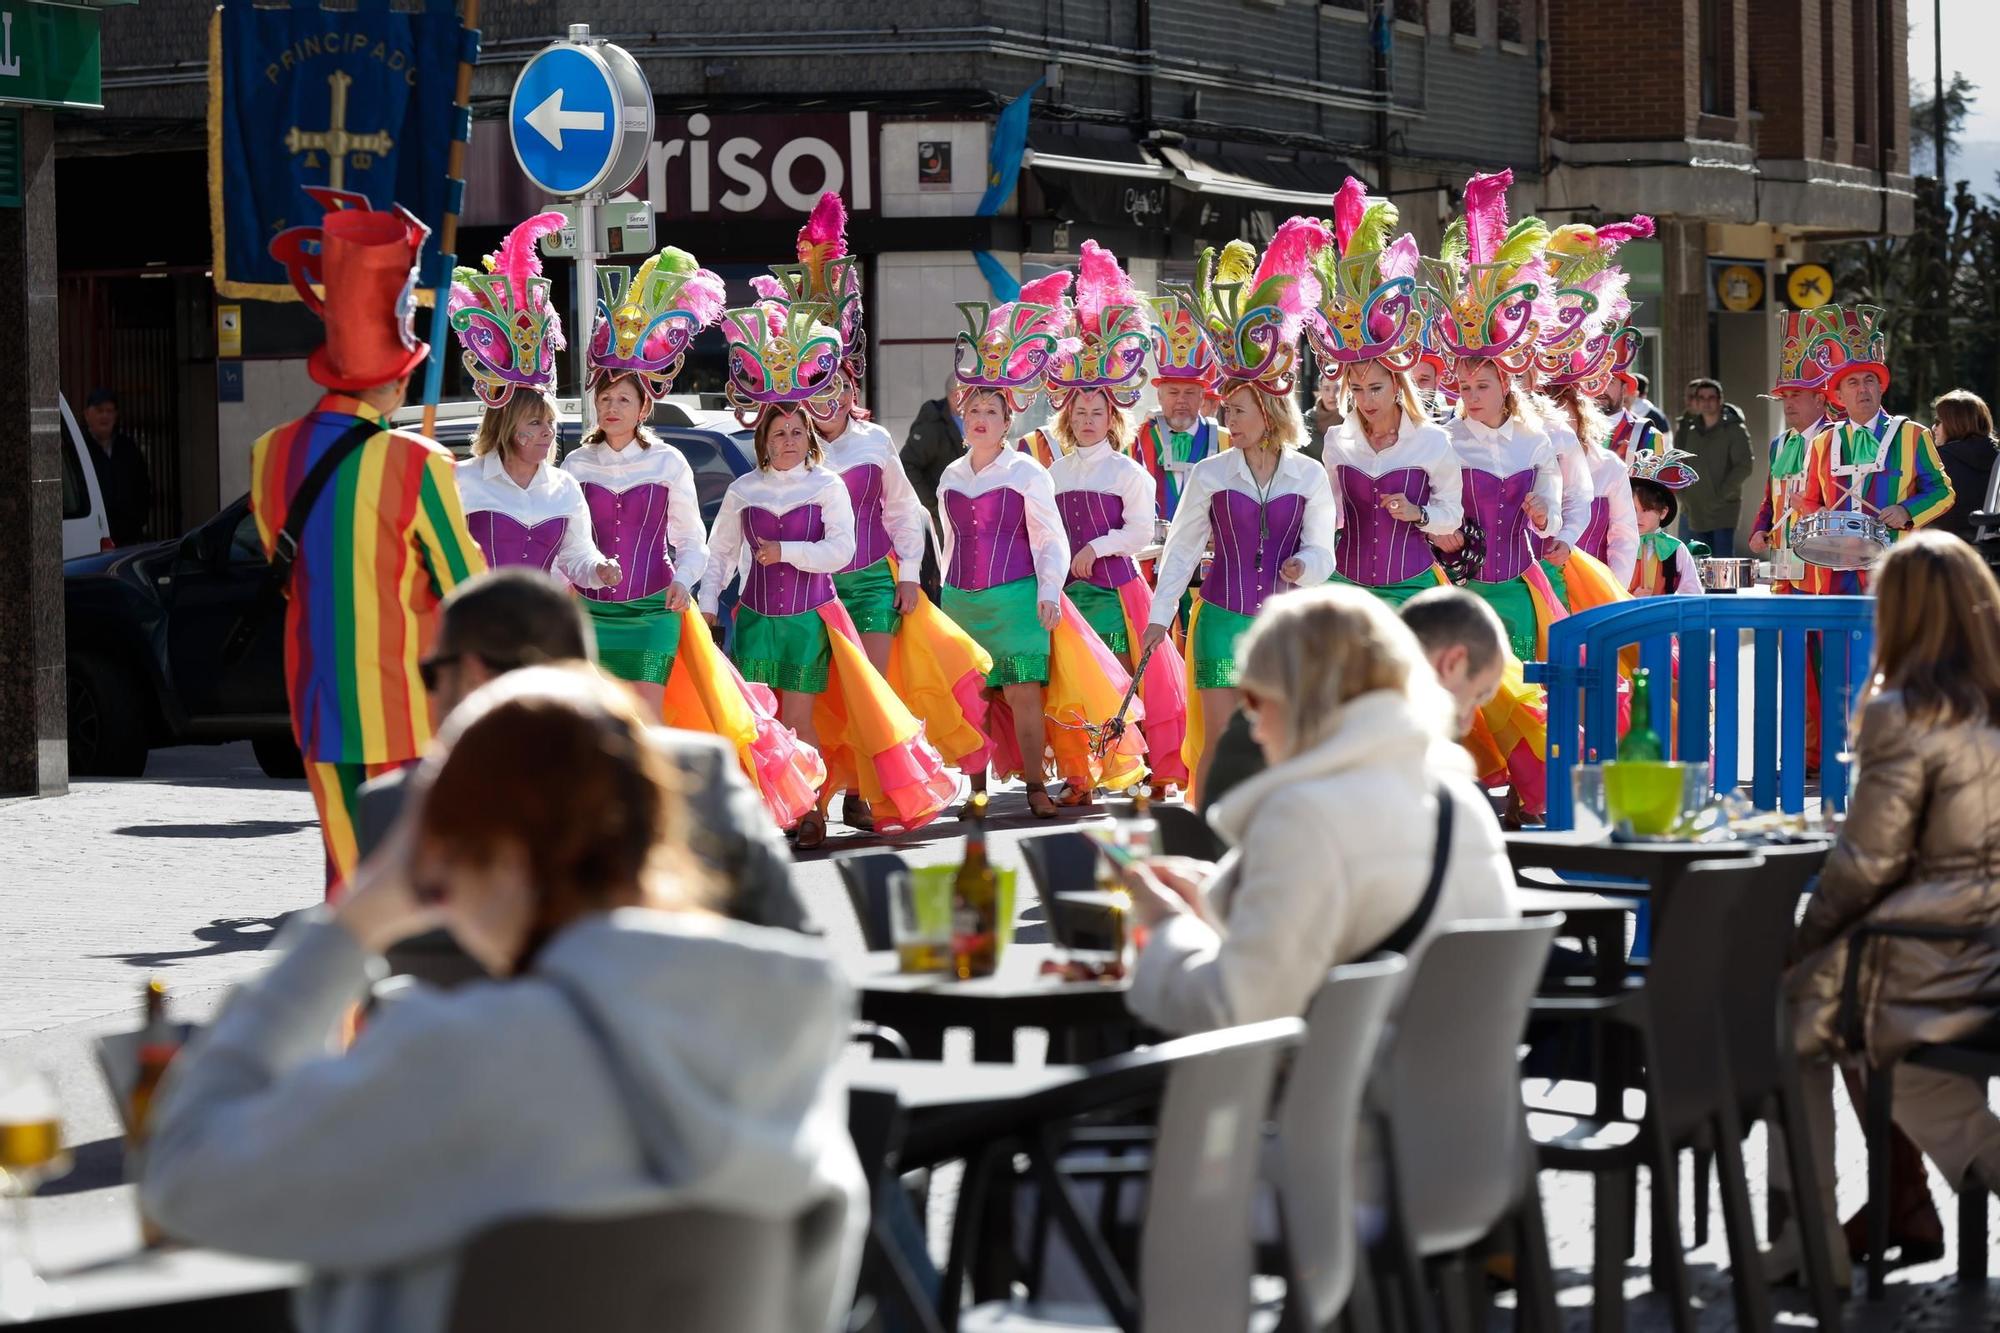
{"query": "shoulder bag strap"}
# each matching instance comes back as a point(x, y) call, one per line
point(621, 1075)
point(1413, 926)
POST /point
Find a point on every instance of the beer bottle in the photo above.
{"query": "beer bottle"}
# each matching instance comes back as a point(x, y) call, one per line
point(1641, 743)
point(159, 1042)
point(975, 900)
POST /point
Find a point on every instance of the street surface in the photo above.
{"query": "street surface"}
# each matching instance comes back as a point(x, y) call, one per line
point(186, 874)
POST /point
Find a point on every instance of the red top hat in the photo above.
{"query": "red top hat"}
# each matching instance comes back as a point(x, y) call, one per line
point(365, 259)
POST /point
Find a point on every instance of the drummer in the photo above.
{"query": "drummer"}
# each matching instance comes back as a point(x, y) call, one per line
point(1801, 394)
point(1868, 461)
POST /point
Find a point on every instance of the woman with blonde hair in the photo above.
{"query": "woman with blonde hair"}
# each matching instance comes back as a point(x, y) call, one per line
point(1266, 509)
point(1367, 796)
point(1915, 856)
point(594, 1075)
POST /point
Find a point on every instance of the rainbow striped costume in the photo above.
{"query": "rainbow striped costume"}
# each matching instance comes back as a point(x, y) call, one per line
point(385, 543)
point(1904, 470)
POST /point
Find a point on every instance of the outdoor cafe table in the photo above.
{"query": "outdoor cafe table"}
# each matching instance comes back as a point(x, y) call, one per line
point(923, 1006)
point(169, 1289)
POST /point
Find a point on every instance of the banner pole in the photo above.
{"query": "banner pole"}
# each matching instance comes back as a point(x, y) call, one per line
point(454, 200)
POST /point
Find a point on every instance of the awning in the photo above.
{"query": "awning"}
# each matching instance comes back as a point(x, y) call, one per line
point(1244, 175)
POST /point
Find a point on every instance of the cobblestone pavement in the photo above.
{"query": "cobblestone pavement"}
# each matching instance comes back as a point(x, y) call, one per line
point(187, 874)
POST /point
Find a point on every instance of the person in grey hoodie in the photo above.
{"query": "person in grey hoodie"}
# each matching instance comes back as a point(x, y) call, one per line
point(636, 1051)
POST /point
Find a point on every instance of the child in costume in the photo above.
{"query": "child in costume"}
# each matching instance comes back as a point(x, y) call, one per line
point(1267, 510)
point(1107, 499)
point(787, 528)
point(931, 664)
point(1006, 556)
point(518, 508)
point(1666, 567)
point(1392, 470)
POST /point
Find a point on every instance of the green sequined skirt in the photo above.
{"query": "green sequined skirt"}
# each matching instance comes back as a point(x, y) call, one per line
point(636, 640)
point(1104, 610)
point(788, 653)
point(869, 594)
point(1005, 621)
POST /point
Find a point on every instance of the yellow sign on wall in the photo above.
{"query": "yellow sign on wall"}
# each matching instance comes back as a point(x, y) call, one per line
point(229, 330)
point(1739, 288)
point(1809, 286)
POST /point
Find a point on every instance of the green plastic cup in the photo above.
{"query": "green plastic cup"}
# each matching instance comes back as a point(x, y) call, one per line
point(930, 887)
point(1645, 799)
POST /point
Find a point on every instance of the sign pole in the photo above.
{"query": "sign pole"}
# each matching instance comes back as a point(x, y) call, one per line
point(454, 200)
point(586, 302)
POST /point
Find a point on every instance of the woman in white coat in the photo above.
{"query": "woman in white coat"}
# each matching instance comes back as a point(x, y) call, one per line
point(1358, 734)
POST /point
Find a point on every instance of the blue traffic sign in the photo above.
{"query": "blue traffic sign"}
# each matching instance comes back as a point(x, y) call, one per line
point(565, 120)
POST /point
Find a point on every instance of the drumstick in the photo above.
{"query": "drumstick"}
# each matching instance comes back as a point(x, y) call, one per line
point(1112, 730)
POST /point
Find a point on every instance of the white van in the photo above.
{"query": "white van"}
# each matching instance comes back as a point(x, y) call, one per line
point(86, 525)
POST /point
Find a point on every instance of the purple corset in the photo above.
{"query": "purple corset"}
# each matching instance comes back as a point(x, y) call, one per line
point(782, 589)
point(1088, 515)
point(989, 536)
point(1252, 542)
point(630, 527)
point(1494, 503)
point(1374, 549)
point(507, 541)
point(871, 534)
point(1596, 538)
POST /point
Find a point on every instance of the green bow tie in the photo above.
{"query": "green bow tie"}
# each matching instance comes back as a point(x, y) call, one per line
point(1790, 458)
point(1659, 545)
point(1858, 445)
point(1183, 442)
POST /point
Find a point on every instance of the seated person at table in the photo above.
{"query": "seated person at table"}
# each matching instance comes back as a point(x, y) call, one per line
point(1463, 640)
point(1334, 844)
point(638, 1052)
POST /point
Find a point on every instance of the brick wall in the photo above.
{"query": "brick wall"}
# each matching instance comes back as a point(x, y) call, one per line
point(1624, 69)
point(1785, 49)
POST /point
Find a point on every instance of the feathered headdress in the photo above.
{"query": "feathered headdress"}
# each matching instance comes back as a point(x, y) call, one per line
point(1009, 347)
point(827, 275)
point(1490, 280)
point(1109, 330)
point(1180, 349)
point(1576, 345)
point(1368, 307)
point(503, 319)
point(1663, 467)
point(1808, 346)
point(1859, 342)
point(783, 355)
point(1251, 311)
point(646, 321)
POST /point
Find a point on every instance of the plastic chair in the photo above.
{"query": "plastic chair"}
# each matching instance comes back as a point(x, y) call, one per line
point(1062, 863)
point(1448, 1099)
point(1317, 1134)
point(1195, 1250)
point(697, 1270)
point(1689, 1100)
point(866, 875)
point(1183, 832)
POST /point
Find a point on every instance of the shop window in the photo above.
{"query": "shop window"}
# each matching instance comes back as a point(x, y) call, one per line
point(1718, 66)
point(1513, 29)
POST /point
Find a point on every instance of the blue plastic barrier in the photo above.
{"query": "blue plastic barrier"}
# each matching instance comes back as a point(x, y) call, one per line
point(1582, 679)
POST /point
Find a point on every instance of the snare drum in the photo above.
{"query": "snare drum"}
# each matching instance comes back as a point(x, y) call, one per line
point(1840, 539)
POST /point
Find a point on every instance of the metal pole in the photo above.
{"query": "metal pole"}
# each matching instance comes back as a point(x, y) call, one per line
point(454, 198)
point(586, 302)
point(1937, 56)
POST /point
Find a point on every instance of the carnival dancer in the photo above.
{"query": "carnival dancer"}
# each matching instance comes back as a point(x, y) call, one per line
point(364, 521)
point(520, 510)
point(931, 664)
point(787, 528)
point(1484, 321)
point(1006, 556)
point(1666, 567)
point(1612, 536)
point(1392, 471)
point(646, 512)
point(1107, 499)
point(1868, 460)
point(1268, 511)
point(1183, 432)
point(1801, 394)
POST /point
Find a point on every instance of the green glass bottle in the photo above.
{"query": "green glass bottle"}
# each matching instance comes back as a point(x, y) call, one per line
point(1641, 743)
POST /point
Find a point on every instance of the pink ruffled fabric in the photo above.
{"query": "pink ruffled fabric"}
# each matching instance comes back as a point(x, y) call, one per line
point(1162, 690)
point(788, 772)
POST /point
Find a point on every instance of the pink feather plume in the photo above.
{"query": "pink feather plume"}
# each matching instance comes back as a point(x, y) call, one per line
point(1290, 254)
point(1614, 234)
point(1486, 215)
point(768, 287)
point(1348, 206)
point(703, 297)
point(1400, 259)
point(516, 259)
point(826, 226)
point(1100, 285)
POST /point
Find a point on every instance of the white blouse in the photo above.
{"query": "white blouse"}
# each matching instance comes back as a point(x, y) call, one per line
point(1512, 446)
point(1100, 468)
point(1577, 490)
point(1048, 540)
point(864, 443)
point(1187, 542)
point(655, 465)
point(1613, 484)
point(1418, 444)
point(483, 484)
point(730, 549)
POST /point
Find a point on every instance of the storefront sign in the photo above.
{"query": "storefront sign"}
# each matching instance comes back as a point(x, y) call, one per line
point(934, 164)
point(49, 56)
point(760, 165)
point(1737, 288)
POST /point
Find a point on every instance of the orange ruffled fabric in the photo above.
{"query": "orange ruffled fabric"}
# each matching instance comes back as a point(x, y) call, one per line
point(939, 673)
point(872, 742)
point(705, 692)
point(1086, 685)
point(1509, 740)
point(1163, 688)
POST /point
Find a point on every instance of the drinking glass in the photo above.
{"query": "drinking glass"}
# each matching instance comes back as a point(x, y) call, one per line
point(922, 938)
point(1587, 788)
point(31, 1152)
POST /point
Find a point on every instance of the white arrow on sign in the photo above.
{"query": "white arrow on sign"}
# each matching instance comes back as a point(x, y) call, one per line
point(550, 120)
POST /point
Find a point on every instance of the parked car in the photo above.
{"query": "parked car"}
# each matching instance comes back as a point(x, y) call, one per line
point(146, 623)
point(86, 523)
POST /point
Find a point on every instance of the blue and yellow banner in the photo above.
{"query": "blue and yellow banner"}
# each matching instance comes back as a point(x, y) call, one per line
point(355, 99)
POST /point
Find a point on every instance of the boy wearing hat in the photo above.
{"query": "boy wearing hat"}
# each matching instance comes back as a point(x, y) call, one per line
point(1665, 565)
point(1867, 459)
point(384, 539)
